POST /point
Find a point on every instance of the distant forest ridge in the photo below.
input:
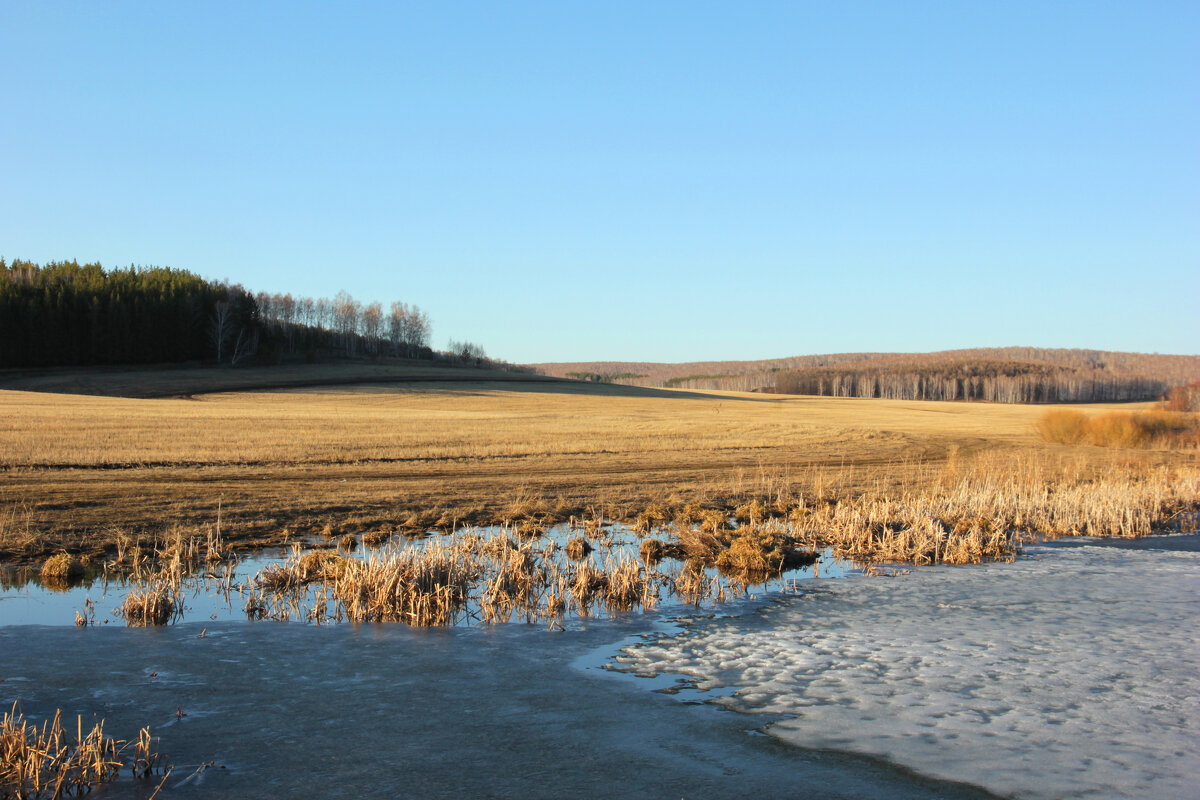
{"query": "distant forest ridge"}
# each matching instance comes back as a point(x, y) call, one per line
point(996, 374)
point(68, 314)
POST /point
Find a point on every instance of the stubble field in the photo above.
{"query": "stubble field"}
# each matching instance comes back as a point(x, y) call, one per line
point(80, 472)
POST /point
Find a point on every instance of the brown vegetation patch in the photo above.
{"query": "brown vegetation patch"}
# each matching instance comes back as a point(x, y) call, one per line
point(578, 548)
point(376, 538)
point(61, 569)
point(154, 603)
point(48, 762)
point(1152, 428)
point(275, 467)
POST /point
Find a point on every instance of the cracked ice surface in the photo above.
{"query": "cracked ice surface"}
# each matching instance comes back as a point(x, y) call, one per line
point(1071, 673)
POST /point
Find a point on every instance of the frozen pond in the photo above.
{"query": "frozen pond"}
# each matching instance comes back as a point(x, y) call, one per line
point(1074, 672)
point(388, 711)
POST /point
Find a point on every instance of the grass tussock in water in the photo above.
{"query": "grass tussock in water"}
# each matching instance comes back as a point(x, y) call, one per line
point(578, 548)
point(444, 582)
point(61, 569)
point(424, 587)
point(47, 762)
point(156, 593)
point(153, 603)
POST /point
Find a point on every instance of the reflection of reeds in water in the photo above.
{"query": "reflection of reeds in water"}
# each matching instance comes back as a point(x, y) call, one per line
point(46, 762)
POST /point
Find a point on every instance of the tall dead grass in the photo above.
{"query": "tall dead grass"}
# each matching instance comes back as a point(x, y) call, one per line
point(1151, 428)
point(47, 762)
point(426, 586)
point(985, 513)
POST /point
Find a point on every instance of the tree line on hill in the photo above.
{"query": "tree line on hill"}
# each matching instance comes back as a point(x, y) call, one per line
point(68, 314)
point(1005, 374)
point(997, 382)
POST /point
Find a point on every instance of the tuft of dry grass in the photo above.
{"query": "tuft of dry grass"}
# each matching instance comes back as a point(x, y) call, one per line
point(376, 538)
point(61, 569)
point(758, 551)
point(427, 586)
point(46, 762)
point(578, 548)
point(151, 604)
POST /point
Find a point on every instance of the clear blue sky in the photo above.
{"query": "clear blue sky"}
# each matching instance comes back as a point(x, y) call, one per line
point(641, 181)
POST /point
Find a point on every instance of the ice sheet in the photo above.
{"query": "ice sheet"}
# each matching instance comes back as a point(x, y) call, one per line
point(1074, 672)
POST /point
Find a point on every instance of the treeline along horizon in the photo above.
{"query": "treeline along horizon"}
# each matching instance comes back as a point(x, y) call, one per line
point(991, 381)
point(67, 314)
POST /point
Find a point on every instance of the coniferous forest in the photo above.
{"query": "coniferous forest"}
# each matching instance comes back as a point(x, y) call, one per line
point(67, 314)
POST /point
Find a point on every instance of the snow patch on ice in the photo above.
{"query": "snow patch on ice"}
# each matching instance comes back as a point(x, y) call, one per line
point(1070, 673)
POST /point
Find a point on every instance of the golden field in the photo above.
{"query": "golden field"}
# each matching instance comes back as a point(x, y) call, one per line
point(79, 471)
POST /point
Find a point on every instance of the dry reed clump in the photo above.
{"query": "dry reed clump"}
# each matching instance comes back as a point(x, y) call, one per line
point(578, 548)
point(621, 584)
point(321, 565)
point(1153, 428)
point(498, 546)
point(653, 516)
point(628, 585)
point(530, 529)
point(427, 586)
point(983, 514)
point(376, 538)
point(61, 569)
point(151, 604)
point(653, 551)
point(299, 570)
point(514, 583)
point(155, 596)
point(692, 585)
point(751, 513)
point(349, 542)
point(700, 545)
point(586, 584)
point(757, 552)
point(46, 762)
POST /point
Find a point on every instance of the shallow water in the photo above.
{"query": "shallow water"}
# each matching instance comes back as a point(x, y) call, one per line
point(24, 600)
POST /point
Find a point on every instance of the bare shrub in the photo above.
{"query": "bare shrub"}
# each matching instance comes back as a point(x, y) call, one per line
point(1063, 427)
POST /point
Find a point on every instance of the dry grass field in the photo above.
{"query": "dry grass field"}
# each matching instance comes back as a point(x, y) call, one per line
point(81, 472)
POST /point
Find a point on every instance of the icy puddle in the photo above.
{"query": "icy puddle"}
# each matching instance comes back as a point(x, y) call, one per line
point(1074, 672)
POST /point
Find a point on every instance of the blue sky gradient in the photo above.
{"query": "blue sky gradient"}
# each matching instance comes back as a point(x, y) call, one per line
point(640, 181)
